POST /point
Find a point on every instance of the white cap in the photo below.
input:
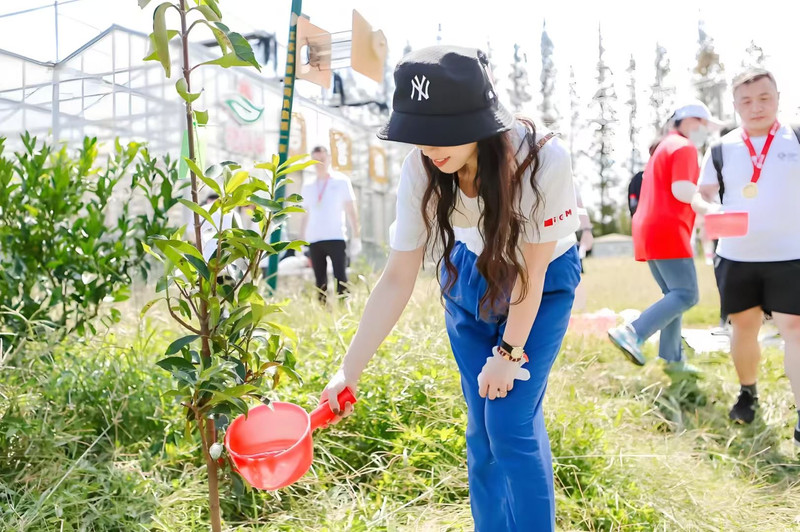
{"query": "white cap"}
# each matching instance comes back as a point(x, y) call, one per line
point(695, 109)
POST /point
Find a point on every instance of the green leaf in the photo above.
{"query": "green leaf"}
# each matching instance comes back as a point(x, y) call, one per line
point(293, 159)
point(152, 55)
point(208, 13)
point(214, 171)
point(201, 117)
point(228, 60)
point(171, 363)
point(194, 207)
point(241, 48)
point(266, 166)
point(162, 36)
point(183, 90)
point(147, 249)
point(179, 344)
point(213, 5)
point(175, 393)
point(238, 178)
point(213, 185)
point(147, 306)
point(231, 393)
point(291, 209)
point(283, 329)
point(181, 263)
point(224, 43)
point(296, 168)
point(246, 291)
point(214, 312)
point(199, 265)
point(258, 307)
point(180, 245)
point(291, 373)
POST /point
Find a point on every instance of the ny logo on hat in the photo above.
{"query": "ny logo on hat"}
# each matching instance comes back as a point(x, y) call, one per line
point(420, 87)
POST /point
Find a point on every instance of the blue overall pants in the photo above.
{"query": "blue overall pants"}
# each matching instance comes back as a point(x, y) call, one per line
point(509, 463)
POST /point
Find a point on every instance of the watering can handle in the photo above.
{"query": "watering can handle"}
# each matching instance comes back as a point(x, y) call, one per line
point(322, 415)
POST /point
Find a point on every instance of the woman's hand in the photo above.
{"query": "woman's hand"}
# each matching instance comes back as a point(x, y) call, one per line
point(335, 386)
point(498, 374)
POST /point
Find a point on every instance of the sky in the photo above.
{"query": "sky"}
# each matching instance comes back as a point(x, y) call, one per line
point(629, 28)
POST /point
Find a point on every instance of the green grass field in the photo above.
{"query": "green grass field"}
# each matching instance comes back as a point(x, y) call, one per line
point(87, 443)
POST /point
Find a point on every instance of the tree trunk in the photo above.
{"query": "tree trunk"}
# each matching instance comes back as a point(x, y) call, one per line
point(213, 478)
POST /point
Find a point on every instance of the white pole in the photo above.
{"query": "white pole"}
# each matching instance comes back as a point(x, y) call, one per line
point(55, 11)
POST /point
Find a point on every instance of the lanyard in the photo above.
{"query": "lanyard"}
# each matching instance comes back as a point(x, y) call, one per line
point(322, 193)
point(758, 161)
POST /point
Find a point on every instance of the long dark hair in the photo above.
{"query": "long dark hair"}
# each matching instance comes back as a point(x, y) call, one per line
point(499, 184)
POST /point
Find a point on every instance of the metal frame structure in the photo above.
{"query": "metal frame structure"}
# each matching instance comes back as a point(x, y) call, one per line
point(105, 90)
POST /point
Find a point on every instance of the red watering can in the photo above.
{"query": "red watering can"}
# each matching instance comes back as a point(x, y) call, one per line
point(271, 447)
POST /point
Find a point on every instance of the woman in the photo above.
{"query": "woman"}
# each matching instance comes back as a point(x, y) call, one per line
point(497, 198)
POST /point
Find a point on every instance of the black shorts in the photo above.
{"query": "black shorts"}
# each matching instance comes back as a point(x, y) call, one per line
point(773, 286)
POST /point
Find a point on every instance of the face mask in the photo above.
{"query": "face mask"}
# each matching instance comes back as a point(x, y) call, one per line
point(699, 136)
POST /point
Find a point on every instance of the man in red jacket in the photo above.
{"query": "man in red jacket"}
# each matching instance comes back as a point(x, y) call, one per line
point(662, 228)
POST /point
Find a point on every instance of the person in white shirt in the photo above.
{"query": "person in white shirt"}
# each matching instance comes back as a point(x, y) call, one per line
point(758, 272)
point(329, 201)
point(493, 199)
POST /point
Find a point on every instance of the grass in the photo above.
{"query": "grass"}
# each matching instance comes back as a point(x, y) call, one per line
point(86, 442)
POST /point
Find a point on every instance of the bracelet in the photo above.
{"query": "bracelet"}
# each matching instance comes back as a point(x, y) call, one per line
point(505, 351)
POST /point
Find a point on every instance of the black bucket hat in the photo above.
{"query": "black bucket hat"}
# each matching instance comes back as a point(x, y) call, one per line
point(444, 96)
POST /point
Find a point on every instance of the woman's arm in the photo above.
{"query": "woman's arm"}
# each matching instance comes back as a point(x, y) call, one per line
point(383, 309)
point(522, 313)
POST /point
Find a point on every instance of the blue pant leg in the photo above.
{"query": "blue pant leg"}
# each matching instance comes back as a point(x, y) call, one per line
point(515, 424)
point(679, 279)
point(669, 343)
point(472, 341)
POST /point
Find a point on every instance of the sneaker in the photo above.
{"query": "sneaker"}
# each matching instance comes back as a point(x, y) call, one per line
point(720, 331)
point(681, 369)
point(744, 411)
point(625, 338)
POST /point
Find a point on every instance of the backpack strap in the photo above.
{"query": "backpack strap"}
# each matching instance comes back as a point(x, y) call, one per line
point(716, 159)
point(550, 135)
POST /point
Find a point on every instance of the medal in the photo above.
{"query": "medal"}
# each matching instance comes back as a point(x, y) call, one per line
point(750, 190)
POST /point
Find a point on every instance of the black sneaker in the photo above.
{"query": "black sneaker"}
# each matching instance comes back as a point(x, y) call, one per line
point(744, 411)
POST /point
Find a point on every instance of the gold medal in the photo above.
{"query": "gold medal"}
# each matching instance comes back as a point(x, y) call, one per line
point(750, 190)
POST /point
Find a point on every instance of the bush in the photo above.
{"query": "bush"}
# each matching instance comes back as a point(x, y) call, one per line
point(62, 253)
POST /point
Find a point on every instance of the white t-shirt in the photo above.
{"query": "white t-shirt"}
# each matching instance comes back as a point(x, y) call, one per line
point(774, 215)
point(324, 202)
point(556, 219)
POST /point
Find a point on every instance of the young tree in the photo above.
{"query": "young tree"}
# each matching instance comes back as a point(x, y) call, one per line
point(518, 93)
point(547, 108)
point(492, 64)
point(662, 93)
point(602, 151)
point(633, 127)
point(709, 73)
point(574, 116)
point(232, 349)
